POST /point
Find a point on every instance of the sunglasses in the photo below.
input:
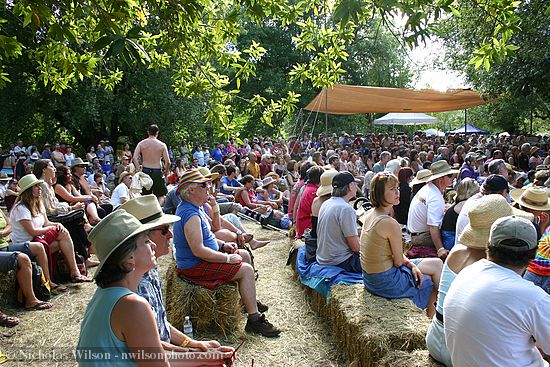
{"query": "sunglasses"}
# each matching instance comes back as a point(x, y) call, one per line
point(204, 184)
point(163, 230)
point(450, 175)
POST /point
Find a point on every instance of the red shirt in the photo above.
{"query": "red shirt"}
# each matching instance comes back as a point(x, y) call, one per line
point(303, 216)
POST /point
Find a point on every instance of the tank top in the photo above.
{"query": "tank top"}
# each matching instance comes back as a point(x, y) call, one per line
point(449, 219)
point(96, 334)
point(376, 255)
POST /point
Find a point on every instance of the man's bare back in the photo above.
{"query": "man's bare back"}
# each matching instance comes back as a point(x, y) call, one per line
point(151, 151)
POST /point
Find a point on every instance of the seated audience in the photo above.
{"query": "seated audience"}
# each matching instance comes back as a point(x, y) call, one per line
point(337, 236)
point(122, 193)
point(208, 262)
point(30, 223)
point(401, 210)
point(303, 215)
point(491, 315)
point(148, 211)
point(386, 271)
point(474, 240)
point(464, 190)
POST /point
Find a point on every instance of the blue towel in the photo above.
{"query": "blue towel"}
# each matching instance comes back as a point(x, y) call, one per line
point(322, 277)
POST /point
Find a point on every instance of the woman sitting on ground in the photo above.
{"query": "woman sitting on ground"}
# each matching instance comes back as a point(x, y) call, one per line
point(248, 199)
point(77, 225)
point(268, 192)
point(475, 236)
point(117, 321)
point(465, 189)
point(386, 271)
point(66, 192)
point(30, 223)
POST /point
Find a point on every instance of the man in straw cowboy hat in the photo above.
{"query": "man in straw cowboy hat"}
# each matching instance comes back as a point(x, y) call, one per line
point(474, 240)
point(428, 208)
point(148, 211)
point(207, 261)
point(493, 317)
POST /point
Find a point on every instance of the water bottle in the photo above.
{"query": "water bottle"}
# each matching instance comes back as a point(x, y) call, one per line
point(188, 327)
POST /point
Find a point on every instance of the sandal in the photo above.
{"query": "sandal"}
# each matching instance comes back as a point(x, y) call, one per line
point(8, 321)
point(80, 279)
point(42, 305)
point(58, 288)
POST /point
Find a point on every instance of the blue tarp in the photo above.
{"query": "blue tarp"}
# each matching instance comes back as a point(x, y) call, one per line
point(468, 129)
point(322, 277)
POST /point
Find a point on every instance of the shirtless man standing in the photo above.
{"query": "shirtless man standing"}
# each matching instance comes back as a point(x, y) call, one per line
point(151, 151)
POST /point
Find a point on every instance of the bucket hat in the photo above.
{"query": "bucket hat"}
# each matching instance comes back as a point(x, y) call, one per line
point(325, 186)
point(422, 176)
point(534, 198)
point(147, 210)
point(487, 210)
point(112, 231)
point(27, 182)
point(191, 176)
point(440, 169)
point(79, 162)
point(4, 177)
point(206, 173)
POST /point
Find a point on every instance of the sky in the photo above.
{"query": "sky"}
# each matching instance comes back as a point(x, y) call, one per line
point(430, 76)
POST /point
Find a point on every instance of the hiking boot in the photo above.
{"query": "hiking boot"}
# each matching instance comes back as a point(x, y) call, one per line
point(261, 307)
point(262, 326)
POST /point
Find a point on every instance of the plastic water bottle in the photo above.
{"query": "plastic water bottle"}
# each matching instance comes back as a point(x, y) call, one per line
point(188, 327)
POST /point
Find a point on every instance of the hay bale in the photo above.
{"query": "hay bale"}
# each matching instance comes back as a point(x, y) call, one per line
point(369, 327)
point(7, 289)
point(217, 310)
point(295, 244)
point(417, 358)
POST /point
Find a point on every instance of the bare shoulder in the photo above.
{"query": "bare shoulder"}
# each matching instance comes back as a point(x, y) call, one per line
point(132, 304)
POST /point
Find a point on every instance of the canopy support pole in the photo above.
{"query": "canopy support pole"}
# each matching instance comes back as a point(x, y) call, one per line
point(326, 111)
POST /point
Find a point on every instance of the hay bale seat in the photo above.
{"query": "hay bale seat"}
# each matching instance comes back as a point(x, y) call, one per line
point(368, 327)
point(7, 290)
point(217, 310)
point(417, 358)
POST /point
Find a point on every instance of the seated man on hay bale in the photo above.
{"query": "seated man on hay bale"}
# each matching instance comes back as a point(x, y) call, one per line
point(147, 210)
point(493, 317)
point(208, 262)
point(337, 236)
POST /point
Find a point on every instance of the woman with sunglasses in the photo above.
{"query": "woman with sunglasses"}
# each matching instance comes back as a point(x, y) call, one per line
point(386, 271)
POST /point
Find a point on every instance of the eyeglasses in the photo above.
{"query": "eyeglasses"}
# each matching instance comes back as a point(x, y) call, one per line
point(204, 184)
point(163, 230)
point(450, 175)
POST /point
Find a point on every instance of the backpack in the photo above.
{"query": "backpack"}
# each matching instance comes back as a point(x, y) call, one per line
point(40, 286)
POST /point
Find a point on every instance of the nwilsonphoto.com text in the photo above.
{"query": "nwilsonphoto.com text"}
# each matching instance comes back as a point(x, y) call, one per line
point(99, 354)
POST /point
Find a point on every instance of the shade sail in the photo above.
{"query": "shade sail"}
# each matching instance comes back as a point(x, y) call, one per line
point(353, 99)
point(405, 119)
point(468, 129)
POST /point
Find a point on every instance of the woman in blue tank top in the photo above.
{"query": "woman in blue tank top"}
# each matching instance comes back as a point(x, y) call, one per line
point(118, 328)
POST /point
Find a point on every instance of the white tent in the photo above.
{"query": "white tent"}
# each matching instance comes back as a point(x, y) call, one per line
point(405, 119)
point(433, 132)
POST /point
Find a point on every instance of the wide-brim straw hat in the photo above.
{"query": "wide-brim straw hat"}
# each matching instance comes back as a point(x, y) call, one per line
point(112, 231)
point(487, 210)
point(267, 181)
point(147, 210)
point(206, 173)
point(4, 177)
point(421, 177)
point(440, 169)
point(27, 182)
point(124, 174)
point(79, 162)
point(325, 186)
point(534, 198)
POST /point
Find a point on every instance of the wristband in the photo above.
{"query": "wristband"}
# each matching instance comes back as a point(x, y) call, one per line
point(185, 342)
point(227, 259)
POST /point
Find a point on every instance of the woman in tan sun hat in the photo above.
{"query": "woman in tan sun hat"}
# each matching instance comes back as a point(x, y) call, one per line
point(534, 200)
point(117, 320)
point(474, 237)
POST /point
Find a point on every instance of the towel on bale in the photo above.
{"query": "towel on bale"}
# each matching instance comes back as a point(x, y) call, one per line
point(322, 277)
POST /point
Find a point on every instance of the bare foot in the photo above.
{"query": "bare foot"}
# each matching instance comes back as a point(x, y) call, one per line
point(91, 263)
point(255, 244)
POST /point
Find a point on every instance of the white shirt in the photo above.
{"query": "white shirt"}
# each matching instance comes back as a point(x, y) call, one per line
point(18, 233)
point(491, 316)
point(121, 191)
point(427, 209)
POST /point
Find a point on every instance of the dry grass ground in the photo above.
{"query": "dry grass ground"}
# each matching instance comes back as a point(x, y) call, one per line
point(305, 340)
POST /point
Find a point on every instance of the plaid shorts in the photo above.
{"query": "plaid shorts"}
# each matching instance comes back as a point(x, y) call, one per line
point(209, 275)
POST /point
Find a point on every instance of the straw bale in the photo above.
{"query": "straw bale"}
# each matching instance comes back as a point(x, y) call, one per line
point(369, 326)
point(399, 358)
point(295, 244)
point(210, 310)
point(7, 289)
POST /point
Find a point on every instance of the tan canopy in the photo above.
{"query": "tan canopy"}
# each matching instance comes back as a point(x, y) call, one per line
point(353, 99)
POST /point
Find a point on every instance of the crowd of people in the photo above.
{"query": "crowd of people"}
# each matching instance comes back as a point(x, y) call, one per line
point(474, 207)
